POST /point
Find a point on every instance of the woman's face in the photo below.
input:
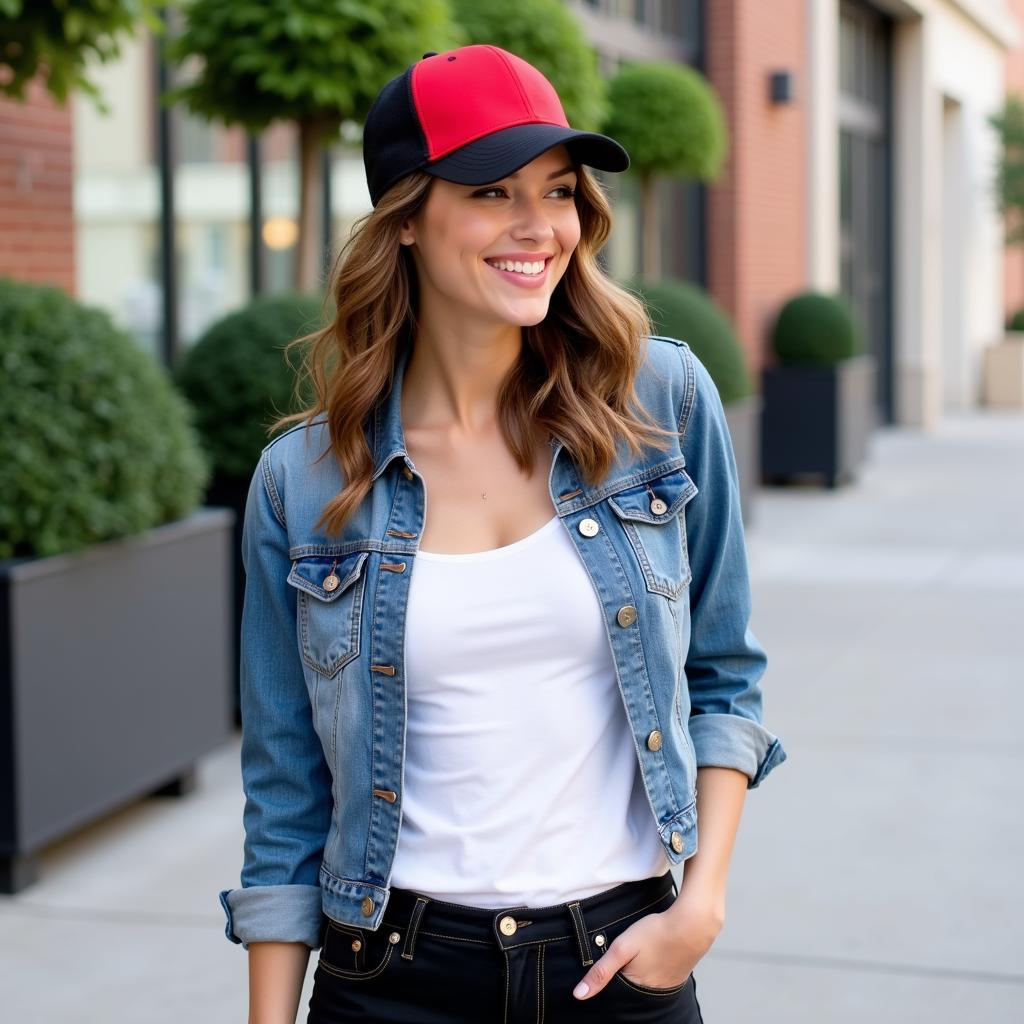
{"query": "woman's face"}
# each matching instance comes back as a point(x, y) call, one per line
point(463, 231)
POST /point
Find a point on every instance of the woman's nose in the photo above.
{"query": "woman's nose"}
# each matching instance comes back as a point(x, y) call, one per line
point(532, 221)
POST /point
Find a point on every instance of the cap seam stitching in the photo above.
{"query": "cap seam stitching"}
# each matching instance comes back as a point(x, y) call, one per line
point(515, 78)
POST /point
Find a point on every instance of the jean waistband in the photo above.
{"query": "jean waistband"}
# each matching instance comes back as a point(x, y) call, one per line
point(521, 925)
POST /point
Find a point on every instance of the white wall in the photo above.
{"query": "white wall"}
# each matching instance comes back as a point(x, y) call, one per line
point(948, 77)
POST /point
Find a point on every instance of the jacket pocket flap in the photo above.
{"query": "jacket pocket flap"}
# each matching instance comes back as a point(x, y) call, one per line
point(673, 490)
point(308, 574)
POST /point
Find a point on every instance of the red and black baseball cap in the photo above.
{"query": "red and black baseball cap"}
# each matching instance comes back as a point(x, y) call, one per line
point(471, 115)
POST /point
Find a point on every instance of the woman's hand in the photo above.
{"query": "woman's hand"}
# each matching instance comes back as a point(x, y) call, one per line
point(659, 950)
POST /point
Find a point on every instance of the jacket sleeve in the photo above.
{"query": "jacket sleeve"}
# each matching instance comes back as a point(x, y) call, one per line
point(285, 776)
point(725, 661)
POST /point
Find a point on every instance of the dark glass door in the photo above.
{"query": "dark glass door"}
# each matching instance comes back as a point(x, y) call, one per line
point(865, 184)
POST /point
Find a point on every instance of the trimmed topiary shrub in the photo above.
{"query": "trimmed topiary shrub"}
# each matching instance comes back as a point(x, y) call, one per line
point(683, 310)
point(239, 379)
point(816, 328)
point(96, 442)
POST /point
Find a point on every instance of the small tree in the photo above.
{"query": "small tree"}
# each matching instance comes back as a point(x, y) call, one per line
point(57, 38)
point(548, 36)
point(670, 121)
point(316, 63)
point(1009, 124)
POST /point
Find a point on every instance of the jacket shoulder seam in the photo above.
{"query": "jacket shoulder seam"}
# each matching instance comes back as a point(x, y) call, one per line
point(689, 390)
point(271, 486)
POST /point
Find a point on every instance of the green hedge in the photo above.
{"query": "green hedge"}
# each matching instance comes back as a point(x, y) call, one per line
point(816, 328)
point(96, 441)
point(239, 380)
point(685, 311)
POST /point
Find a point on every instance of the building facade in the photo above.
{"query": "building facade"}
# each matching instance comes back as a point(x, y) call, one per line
point(860, 160)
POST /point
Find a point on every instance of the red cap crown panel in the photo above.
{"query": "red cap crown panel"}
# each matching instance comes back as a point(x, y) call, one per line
point(453, 109)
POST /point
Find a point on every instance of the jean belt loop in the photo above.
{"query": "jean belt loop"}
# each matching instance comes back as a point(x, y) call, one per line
point(414, 925)
point(586, 957)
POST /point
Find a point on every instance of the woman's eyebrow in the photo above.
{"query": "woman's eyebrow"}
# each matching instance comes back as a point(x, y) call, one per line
point(553, 174)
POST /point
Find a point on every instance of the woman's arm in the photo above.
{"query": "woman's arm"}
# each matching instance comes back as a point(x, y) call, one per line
point(721, 793)
point(277, 971)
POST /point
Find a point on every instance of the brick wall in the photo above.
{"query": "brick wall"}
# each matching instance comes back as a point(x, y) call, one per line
point(37, 239)
point(757, 213)
point(1013, 262)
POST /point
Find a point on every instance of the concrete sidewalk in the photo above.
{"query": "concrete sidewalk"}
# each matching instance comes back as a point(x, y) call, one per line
point(876, 876)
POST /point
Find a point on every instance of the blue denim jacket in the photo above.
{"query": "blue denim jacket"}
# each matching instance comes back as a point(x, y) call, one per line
point(322, 683)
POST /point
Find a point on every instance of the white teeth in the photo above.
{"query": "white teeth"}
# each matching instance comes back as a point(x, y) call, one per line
point(529, 269)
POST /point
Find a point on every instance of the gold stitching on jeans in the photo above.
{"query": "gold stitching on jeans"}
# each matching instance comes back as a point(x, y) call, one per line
point(647, 990)
point(581, 932)
point(357, 975)
point(543, 989)
point(458, 938)
point(608, 924)
point(414, 920)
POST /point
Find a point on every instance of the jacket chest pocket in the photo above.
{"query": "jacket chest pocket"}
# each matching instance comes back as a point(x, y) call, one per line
point(653, 517)
point(329, 608)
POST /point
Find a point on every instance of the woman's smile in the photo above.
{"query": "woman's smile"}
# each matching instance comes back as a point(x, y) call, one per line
point(526, 276)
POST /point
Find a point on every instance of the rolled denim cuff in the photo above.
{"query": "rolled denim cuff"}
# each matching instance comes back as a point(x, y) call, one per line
point(732, 741)
point(274, 913)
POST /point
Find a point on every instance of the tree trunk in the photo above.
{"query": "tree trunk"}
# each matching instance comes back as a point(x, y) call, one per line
point(651, 228)
point(309, 257)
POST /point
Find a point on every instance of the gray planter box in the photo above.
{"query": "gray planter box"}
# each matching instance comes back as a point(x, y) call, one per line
point(817, 419)
point(114, 679)
point(744, 420)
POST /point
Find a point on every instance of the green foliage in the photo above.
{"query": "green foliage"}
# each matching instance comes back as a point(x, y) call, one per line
point(680, 309)
point(816, 328)
point(58, 38)
point(1016, 322)
point(239, 380)
point(1009, 124)
point(669, 119)
point(548, 36)
point(320, 61)
point(96, 441)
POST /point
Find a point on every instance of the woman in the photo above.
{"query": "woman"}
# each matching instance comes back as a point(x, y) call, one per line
point(466, 784)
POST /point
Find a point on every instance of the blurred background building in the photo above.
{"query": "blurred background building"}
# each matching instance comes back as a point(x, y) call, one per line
point(860, 160)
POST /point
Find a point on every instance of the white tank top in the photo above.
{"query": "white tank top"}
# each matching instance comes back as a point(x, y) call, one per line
point(521, 779)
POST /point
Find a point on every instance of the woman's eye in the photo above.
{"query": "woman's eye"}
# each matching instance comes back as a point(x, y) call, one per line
point(568, 189)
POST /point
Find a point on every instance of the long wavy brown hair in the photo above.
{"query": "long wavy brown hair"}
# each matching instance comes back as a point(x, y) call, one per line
point(574, 378)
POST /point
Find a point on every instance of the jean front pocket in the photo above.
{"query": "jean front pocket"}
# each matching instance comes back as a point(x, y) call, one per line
point(330, 606)
point(357, 953)
point(653, 517)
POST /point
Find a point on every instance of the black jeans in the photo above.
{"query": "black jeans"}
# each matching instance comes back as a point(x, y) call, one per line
point(431, 961)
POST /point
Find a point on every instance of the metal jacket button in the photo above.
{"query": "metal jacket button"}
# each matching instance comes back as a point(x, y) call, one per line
point(588, 527)
point(654, 740)
point(677, 842)
point(367, 906)
point(331, 582)
point(507, 925)
point(658, 507)
point(408, 472)
point(627, 615)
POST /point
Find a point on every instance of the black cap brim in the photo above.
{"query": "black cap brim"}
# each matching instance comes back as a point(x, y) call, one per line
point(500, 153)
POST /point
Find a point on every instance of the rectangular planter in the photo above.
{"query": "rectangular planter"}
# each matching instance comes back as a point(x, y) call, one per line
point(1003, 371)
point(114, 678)
point(817, 419)
point(744, 421)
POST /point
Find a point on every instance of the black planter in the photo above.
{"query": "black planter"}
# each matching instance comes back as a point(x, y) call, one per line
point(817, 419)
point(114, 668)
point(744, 421)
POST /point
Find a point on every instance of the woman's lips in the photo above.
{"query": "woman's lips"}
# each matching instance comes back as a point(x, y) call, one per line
point(524, 280)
